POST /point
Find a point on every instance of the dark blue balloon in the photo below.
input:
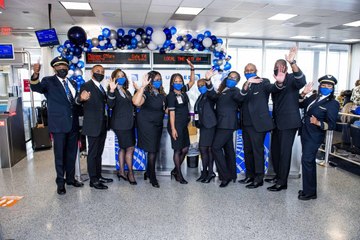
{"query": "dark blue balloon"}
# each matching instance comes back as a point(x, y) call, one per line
point(149, 31)
point(216, 67)
point(101, 37)
point(106, 32)
point(201, 47)
point(167, 31)
point(162, 50)
point(120, 32)
point(140, 31)
point(77, 35)
point(188, 36)
point(86, 44)
point(179, 38)
point(79, 78)
point(172, 46)
point(72, 67)
point(167, 43)
point(67, 44)
point(207, 33)
point(200, 37)
point(147, 40)
point(168, 36)
point(132, 33)
point(77, 51)
point(127, 39)
point(60, 48)
point(70, 57)
point(212, 37)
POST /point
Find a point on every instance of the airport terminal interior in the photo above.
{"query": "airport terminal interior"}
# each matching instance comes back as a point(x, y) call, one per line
point(188, 37)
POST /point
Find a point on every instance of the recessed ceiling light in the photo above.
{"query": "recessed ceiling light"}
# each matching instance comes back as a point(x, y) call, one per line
point(302, 37)
point(282, 16)
point(30, 28)
point(76, 5)
point(351, 40)
point(239, 34)
point(188, 10)
point(273, 44)
point(318, 46)
point(353, 24)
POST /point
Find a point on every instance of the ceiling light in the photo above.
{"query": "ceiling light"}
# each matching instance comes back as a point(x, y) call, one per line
point(353, 24)
point(30, 28)
point(302, 37)
point(318, 46)
point(188, 10)
point(0, 12)
point(76, 5)
point(274, 44)
point(282, 16)
point(352, 40)
point(239, 34)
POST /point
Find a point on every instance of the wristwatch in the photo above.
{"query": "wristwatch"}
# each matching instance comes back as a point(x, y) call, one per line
point(293, 62)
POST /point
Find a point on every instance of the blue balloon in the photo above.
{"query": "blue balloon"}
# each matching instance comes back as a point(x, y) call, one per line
point(79, 78)
point(216, 54)
point(201, 47)
point(140, 31)
point(134, 41)
point(179, 38)
point(168, 36)
point(167, 43)
point(200, 37)
point(77, 51)
point(207, 33)
point(106, 32)
point(101, 37)
point(60, 48)
point(80, 64)
point(188, 36)
point(70, 57)
point(215, 61)
point(72, 67)
point(147, 40)
point(229, 57)
point(173, 30)
point(167, 31)
point(162, 50)
point(127, 40)
point(149, 31)
point(227, 66)
point(67, 44)
point(212, 37)
point(77, 35)
point(219, 40)
point(172, 46)
point(120, 32)
point(132, 33)
point(216, 67)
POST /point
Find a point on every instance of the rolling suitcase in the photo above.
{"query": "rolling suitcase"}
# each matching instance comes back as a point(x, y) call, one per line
point(40, 137)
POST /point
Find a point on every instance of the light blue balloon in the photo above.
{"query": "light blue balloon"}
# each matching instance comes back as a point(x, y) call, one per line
point(200, 37)
point(60, 48)
point(227, 66)
point(207, 33)
point(106, 32)
point(173, 30)
point(80, 64)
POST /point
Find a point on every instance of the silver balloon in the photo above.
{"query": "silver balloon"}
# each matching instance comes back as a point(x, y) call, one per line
point(141, 44)
point(220, 62)
point(95, 42)
point(144, 36)
point(113, 34)
point(212, 48)
point(187, 45)
point(78, 72)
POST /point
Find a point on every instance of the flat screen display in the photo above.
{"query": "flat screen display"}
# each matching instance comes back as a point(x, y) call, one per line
point(6, 51)
point(47, 37)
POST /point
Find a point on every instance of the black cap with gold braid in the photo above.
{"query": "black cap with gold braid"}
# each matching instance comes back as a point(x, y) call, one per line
point(59, 60)
point(328, 79)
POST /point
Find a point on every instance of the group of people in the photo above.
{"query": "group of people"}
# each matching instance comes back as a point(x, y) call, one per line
point(218, 113)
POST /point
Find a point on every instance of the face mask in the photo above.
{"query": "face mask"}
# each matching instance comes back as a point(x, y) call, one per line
point(250, 75)
point(62, 73)
point(157, 84)
point(276, 71)
point(202, 89)
point(178, 86)
point(230, 83)
point(98, 77)
point(325, 91)
point(121, 81)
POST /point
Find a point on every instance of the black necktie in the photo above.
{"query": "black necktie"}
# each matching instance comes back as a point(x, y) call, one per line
point(68, 93)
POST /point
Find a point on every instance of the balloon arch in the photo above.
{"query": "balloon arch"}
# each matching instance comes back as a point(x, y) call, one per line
point(165, 40)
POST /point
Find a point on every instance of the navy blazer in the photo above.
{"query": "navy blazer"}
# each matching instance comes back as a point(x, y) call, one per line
point(326, 111)
point(227, 104)
point(286, 112)
point(204, 108)
point(257, 102)
point(123, 111)
point(61, 115)
point(94, 110)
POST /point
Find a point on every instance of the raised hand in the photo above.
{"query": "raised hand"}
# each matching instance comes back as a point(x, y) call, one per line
point(190, 63)
point(308, 88)
point(145, 81)
point(292, 54)
point(112, 85)
point(280, 78)
point(85, 95)
point(36, 68)
point(209, 74)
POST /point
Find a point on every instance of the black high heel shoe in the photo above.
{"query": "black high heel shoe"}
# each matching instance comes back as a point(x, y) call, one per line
point(145, 176)
point(131, 182)
point(173, 173)
point(180, 179)
point(209, 178)
point(155, 183)
point(202, 176)
point(121, 176)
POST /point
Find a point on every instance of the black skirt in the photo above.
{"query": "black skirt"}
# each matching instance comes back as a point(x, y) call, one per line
point(183, 139)
point(126, 138)
point(206, 136)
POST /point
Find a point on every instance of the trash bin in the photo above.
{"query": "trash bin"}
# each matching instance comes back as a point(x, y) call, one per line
point(193, 156)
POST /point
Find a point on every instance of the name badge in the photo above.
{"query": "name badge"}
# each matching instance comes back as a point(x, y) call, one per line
point(196, 117)
point(179, 100)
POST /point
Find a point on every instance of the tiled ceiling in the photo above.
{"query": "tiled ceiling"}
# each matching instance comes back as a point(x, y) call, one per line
point(321, 19)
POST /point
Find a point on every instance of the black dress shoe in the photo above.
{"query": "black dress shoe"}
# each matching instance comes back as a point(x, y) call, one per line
point(246, 180)
point(76, 183)
point(61, 190)
point(225, 183)
point(277, 188)
point(271, 180)
point(155, 184)
point(202, 176)
point(254, 185)
point(98, 185)
point(105, 180)
point(306, 197)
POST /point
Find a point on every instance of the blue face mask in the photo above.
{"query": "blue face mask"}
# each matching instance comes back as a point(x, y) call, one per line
point(178, 86)
point(250, 75)
point(121, 81)
point(230, 83)
point(157, 84)
point(202, 89)
point(325, 91)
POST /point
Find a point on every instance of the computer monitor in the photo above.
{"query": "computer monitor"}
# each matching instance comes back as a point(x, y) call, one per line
point(7, 51)
point(47, 37)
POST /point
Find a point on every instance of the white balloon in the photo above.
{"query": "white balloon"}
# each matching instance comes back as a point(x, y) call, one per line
point(152, 46)
point(70, 72)
point(138, 37)
point(113, 42)
point(182, 43)
point(75, 60)
point(102, 43)
point(218, 48)
point(207, 42)
point(158, 37)
point(78, 72)
point(178, 46)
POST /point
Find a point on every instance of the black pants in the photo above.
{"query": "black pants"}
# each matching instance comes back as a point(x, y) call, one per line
point(309, 150)
point(254, 152)
point(281, 148)
point(224, 154)
point(65, 150)
point(96, 148)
